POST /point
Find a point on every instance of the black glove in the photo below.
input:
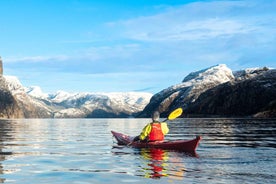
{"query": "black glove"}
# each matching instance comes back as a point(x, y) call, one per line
point(136, 138)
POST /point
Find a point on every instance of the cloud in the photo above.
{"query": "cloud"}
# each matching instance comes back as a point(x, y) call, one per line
point(197, 30)
point(90, 53)
point(196, 21)
point(36, 59)
point(205, 33)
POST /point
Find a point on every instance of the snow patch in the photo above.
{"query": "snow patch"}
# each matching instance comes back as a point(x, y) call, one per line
point(36, 92)
point(14, 84)
point(249, 73)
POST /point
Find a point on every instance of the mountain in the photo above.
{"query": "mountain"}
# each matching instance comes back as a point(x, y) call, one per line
point(31, 107)
point(9, 107)
point(36, 104)
point(186, 92)
point(216, 91)
point(219, 92)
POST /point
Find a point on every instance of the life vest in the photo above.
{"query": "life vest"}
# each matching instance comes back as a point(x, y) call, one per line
point(156, 133)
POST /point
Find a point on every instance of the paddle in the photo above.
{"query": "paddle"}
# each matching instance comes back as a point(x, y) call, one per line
point(173, 115)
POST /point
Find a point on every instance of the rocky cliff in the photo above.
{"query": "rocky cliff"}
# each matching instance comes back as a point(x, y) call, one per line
point(219, 92)
point(250, 97)
point(31, 107)
point(1, 66)
point(9, 107)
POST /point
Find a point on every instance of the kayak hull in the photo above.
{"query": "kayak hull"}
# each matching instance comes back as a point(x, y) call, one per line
point(178, 145)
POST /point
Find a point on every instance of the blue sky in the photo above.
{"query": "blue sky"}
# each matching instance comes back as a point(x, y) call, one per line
point(125, 45)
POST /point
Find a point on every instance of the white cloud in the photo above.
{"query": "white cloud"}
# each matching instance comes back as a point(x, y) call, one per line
point(95, 53)
point(35, 58)
point(194, 30)
point(195, 21)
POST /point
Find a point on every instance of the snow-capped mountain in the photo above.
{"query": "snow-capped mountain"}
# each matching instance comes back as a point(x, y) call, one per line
point(215, 91)
point(189, 93)
point(31, 107)
point(76, 105)
point(9, 107)
point(189, 89)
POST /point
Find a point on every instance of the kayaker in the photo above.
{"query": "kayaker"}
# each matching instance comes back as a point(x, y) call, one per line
point(153, 131)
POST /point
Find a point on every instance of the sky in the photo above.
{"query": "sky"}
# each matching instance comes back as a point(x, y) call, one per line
point(126, 45)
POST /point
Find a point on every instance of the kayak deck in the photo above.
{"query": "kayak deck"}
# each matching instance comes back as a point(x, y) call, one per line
point(178, 145)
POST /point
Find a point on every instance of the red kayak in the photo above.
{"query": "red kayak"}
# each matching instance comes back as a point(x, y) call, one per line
point(178, 145)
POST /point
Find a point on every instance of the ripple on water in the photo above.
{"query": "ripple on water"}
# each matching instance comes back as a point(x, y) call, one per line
point(83, 151)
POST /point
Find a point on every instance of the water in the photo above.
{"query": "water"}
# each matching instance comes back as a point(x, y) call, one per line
point(83, 151)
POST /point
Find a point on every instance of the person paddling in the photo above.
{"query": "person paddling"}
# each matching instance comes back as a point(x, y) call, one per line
point(154, 131)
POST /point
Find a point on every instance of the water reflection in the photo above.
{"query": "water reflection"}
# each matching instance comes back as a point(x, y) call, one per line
point(228, 132)
point(80, 151)
point(5, 129)
point(157, 161)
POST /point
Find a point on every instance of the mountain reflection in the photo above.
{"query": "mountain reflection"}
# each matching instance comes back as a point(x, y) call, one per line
point(5, 135)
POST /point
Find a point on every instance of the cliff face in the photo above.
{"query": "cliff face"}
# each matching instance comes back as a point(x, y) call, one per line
point(1, 66)
point(8, 106)
point(31, 107)
point(187, 92)
point(250, 97)
point(217, 91)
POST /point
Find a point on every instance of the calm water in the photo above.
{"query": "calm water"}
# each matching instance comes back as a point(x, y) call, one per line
point(83, 151)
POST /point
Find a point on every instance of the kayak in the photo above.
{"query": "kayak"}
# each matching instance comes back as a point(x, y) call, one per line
point(177, 145)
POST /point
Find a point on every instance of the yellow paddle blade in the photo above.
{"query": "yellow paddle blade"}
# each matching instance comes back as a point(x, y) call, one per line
point(176, 113)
